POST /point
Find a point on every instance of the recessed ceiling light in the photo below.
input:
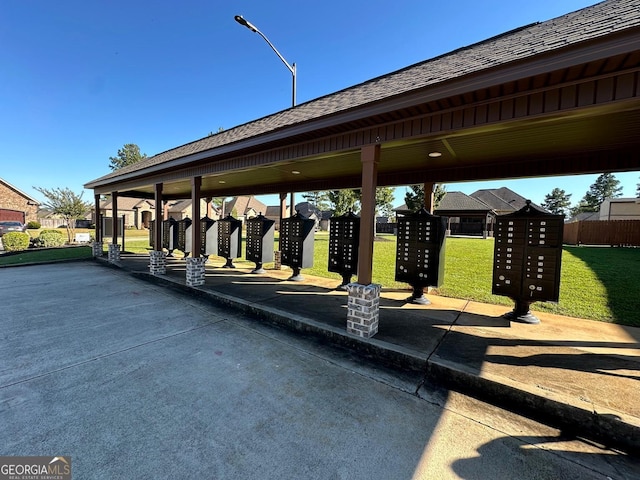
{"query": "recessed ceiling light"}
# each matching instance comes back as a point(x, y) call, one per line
point(435, 154)
point(221, 181)
point(295, 172)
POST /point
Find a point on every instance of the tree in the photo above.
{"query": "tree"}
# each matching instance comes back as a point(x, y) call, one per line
point(318, 199)
point(605, 186)
point(557, 202)
point(342, 201)
point(415, 198)
point(384, 201)
point(127, 155)
point(638, 190)
point(67, 205)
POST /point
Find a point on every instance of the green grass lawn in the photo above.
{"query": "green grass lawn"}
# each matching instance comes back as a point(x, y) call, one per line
point(597, 283)
point(46, 255)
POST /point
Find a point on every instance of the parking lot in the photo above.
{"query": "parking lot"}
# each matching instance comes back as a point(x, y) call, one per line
point(133, 380)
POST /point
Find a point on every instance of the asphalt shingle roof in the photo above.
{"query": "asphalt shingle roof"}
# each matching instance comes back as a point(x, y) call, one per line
point(458, 201)
point(591, 22)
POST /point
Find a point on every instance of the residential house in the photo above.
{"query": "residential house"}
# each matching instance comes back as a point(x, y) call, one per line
point(502, 200)
point(137, 212)
point(244, 208)
point(273, 213)
point(466, 215)
point(17, 205)
point(620, 209)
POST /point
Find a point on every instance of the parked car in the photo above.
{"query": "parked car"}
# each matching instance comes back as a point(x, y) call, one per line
point(7, 226)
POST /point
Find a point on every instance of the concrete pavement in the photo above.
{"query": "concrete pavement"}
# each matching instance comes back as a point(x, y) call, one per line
point(133, 380)
point(582, 376)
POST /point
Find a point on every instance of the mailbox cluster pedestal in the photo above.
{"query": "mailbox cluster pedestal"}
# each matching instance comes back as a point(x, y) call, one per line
point(208, 237)
point(344, 242)
point(260, 239)
point(184, 236)
point(420, 252)
point(229, 239)
point(296, 243)
point(152, 240)
point(169, 235)
point(527, 259)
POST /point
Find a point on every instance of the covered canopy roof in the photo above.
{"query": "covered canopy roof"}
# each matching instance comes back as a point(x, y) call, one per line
point(551, 98)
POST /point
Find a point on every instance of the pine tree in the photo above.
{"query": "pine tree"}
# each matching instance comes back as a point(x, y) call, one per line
point(557, 202)
point(605, 186)
point(127, 155)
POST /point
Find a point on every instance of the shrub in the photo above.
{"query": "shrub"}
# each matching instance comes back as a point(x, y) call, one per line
point(33, 225)
point(49, 238)
point(15, 241)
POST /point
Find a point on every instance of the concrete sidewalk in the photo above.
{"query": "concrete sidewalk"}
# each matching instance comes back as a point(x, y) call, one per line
point(579, 375)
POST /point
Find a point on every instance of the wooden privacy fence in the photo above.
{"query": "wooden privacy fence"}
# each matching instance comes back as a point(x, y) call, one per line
point(604, 232)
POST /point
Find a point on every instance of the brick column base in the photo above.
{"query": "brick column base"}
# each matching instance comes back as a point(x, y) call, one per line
point(96, 249)
point(114, 252)
point(195, 271)
point(277, 260)
point(363, 309)
point(158, 263)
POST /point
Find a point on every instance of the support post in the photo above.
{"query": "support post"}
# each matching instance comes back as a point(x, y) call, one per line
point(370, 156)
point(159, 214)
point(98, 223)
point(97, 243)
point(277, 255)
point(114, 216)
point(429, 188)
point(196, 183)
point(363, 303)
point(158, 262)
point(195, 263)
point(114, 248)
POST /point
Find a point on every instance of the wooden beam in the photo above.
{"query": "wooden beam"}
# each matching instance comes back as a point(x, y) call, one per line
point(429, 196)
point(370, 157)
point(196, 183)
point(114, 215)
point(97, 219)
point(159, 215)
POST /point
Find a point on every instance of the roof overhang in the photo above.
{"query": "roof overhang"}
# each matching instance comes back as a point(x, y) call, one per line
point(573, 110)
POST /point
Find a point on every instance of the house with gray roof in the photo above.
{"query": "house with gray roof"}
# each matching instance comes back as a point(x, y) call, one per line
point(466, 215)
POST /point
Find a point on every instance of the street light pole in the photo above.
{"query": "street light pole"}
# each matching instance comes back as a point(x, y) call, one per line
point(292, 68)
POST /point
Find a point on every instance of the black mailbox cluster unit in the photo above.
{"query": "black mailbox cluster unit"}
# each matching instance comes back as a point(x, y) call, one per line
point(184, 236)
point(344, 243)
point(527, 259)
point(260, 240)
point(208, 237)
point(170, 235)
point(230, 239)
point(296, 243)
point(152, 226)
point(420, 252)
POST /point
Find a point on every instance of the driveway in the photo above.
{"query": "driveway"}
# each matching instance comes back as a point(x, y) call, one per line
point(134, 381)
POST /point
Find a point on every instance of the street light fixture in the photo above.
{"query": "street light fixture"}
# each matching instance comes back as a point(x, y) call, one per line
point(292, 68)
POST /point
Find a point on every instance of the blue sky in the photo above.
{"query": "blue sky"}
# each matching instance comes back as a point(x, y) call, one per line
point(79, 78)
